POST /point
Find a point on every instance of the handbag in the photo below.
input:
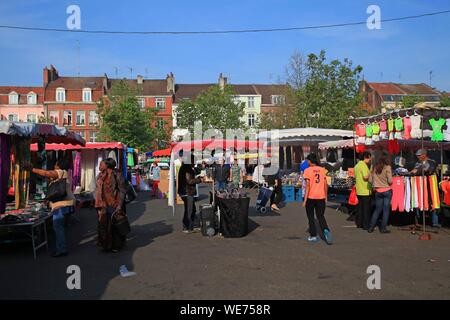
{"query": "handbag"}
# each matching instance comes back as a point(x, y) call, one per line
point(353, 198)
point(56, 190)
point(121, 224)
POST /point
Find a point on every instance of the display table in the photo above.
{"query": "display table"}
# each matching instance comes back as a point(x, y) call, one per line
point(31, 224)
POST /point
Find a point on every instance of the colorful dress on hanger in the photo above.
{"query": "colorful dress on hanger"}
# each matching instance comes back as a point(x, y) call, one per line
point(383, 130)
point(376, 132)
point(407, 131)
point(416, 122)
point(369, 134)
point(398, 128)
point(437, 125)
point(391, 128)
point(361, 133)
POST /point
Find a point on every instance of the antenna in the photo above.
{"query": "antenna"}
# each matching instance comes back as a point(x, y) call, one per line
point(381, 74)
point(117, 72)
point(431, 76)
point(399, 76)
point(78, 58)
point(146, 73)
point(131, 72)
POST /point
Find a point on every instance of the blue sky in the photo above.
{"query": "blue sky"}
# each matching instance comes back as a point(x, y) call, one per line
point(399, 52)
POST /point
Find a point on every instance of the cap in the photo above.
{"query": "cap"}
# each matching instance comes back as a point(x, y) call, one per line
point(421, 152)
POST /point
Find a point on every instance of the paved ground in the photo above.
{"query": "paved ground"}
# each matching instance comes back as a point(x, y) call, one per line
point(273, 262)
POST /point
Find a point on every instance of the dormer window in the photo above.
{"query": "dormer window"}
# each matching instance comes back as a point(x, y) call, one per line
point(278, 100)
point(13, 98)
point(60, 95)
point(87, 95)
point(31, 98)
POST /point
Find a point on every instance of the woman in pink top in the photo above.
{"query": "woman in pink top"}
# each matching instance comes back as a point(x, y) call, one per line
point(381, 180)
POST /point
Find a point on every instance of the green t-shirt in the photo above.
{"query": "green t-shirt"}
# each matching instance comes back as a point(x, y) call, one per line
point(391, 125)
point(437, 125)
point(369, 130)
point(399, 124)
point(362, 187)
point(376, 128)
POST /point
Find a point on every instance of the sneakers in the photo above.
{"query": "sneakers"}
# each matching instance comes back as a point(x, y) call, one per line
point(313, 239)
point(327, 235)
point(274, 207)
point(385, 231)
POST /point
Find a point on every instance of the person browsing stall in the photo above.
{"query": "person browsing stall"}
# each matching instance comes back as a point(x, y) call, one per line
point(363, 191)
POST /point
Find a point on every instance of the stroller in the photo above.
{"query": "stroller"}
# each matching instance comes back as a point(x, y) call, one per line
point(263, 197)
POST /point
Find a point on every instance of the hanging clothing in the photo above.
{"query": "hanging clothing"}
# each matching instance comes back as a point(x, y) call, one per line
point(398, 124)
point(288, 158)
point(393, 147)
point(361, 133)
point(391, 125)
point(447, 131)
point(383, 125)
point(130, 160)
point(445, 186)
point(376, 132)
point(5, 169)
point(88, 162)
point(416, 122)
point(76, 174)
point(398, 194)
point(414, 193)
point(437, 125)
point(112, 155)
point(22, 156)
point(369, 130)
point(407, 194)
point(434, 192)
point(407, 131)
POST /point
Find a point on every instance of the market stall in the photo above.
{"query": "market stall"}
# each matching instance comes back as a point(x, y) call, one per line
point(20, 211)
point(400, 133)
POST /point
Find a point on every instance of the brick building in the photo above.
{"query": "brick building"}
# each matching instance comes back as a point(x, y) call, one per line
point(72, 101)
point(25, 104)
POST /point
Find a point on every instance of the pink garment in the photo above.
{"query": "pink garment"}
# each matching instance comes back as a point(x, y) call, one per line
point(361, 130)
point(76, 173)
point(383, 125)
point(408, 127)
point(398, 194)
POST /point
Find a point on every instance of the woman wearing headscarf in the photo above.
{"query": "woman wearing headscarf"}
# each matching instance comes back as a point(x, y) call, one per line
point(110, 204)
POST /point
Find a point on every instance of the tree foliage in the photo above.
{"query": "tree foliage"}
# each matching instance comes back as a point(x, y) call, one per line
point(121, 118)
point(215, 108)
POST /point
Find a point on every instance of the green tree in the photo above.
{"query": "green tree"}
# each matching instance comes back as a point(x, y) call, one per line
point(330, 94)
point(410, 101)
point(445, 101)
point(121, 118)
point(215, 108)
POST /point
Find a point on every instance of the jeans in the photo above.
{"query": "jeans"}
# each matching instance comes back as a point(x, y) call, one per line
point(433, 214)
point(189, 212)
point(382, 203)
point(59, 228)
point(220, 185)
point(319, 207)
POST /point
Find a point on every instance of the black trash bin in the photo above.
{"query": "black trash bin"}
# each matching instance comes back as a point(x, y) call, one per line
point(233, 216)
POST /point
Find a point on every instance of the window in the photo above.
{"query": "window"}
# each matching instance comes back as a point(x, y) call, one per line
point(60, 95)
point(67, 118)
point(31, 98)
point(87, 95)
point(31, 117)
point(93, 136)
point(161, 123)
point(236, 100)
point(251, 102)
point(13, 117)
point(161, 103)
point(13, 98)
point(251, 120)
point(278, 100)
point(54, 117)
point(93, 117)
point(141, 102)
point(81, 118)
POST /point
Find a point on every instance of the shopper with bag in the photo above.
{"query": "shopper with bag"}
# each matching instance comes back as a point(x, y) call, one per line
point(113, 225)
point(363, 191)
point(381, 180)
point(61, 202)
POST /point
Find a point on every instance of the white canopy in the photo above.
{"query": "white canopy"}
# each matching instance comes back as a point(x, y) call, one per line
point(306, 132)
point(339, 144)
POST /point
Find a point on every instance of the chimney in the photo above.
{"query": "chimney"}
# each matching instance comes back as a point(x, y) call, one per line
point(140, 79)
point(53, 73)
point(222, 81)
point(170, 79)
point(105, 83)
point(46, 76)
